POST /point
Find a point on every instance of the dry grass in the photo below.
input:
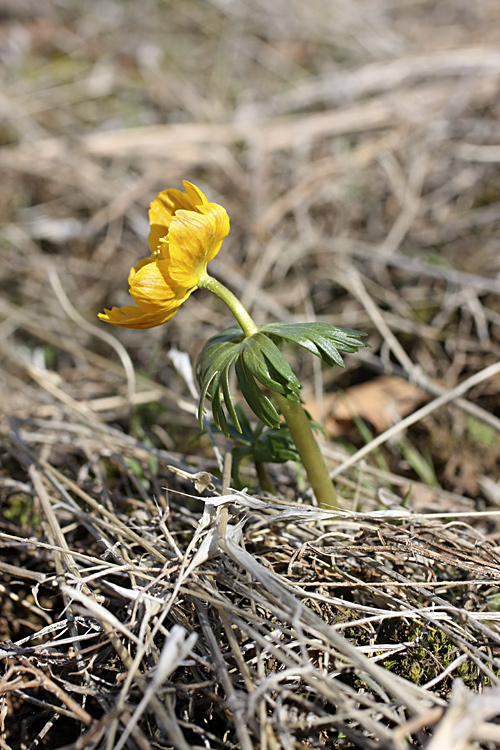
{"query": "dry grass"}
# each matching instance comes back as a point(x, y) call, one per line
point(356, 148)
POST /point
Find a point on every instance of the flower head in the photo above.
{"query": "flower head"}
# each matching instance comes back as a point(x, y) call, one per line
point(186, 234)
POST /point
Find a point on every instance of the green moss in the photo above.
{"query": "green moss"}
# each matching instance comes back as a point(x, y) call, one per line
point(432, 653)
point(19, 510)
point(481, 433)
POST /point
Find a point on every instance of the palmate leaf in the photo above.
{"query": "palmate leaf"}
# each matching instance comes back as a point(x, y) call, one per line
point(257, 359)
point(212, 372)
point(321, 339)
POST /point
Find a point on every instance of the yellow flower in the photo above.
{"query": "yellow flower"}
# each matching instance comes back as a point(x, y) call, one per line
point(186, 234)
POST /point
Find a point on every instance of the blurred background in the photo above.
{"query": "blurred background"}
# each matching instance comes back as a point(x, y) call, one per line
point(356, 148)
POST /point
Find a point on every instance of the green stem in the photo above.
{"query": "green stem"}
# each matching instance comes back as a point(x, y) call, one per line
point(308, 450)
point(223, 293)
point(265, 481)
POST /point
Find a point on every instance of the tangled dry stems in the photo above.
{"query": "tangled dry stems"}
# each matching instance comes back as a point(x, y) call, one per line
point(281, 624)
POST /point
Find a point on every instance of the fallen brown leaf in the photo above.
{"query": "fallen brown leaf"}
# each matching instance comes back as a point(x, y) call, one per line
point(382, 402)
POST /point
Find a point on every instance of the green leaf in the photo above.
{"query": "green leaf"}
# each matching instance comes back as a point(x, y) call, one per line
point(212, 372)
point(257, 359)
point(264, 444)
point(275, 446)
point(257, 401)
point(220, 388)
point(243, 434)
point(266, 363)
point(321, 339)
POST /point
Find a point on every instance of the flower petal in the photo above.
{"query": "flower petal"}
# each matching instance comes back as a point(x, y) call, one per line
point(139, 265)
point(131, 316)
point(195, 195)
point(161, 212)
point(194, 239)
point(151, 289)
point(221, 223)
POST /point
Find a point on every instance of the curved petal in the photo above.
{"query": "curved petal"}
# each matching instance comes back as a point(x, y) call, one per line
point(221, 222)
point(196, 197)
point(151, 289)
point(131, 316)
point(161, 212)
point(195, 239)
point(138, 266)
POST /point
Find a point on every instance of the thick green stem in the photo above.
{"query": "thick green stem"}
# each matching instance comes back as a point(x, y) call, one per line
point(223, 293)
point(308, 450)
